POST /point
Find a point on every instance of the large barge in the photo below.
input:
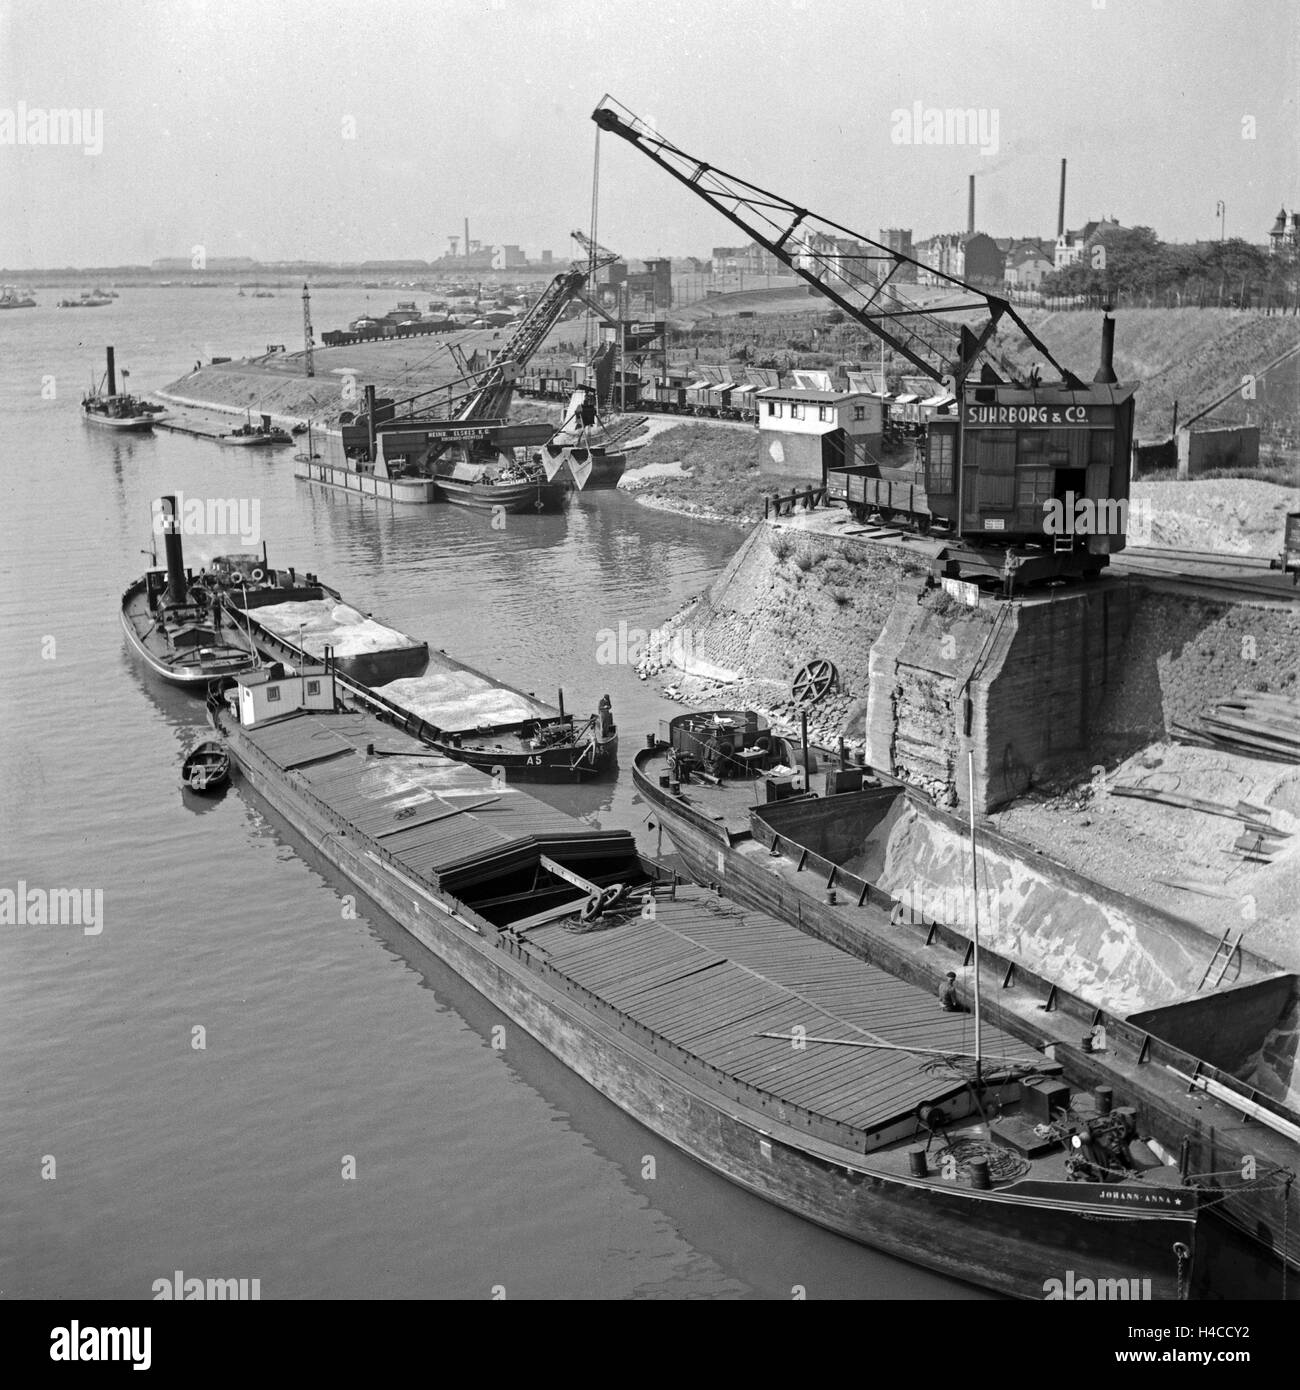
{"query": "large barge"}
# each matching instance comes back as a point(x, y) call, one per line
point(1201, 1041)
point(296, 617)
point(455, 708)
point(777, 1061)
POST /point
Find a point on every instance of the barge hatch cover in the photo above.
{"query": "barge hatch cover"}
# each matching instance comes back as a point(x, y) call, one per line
point(710, 976)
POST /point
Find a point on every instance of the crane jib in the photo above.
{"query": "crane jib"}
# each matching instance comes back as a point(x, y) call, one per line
point(858, 280)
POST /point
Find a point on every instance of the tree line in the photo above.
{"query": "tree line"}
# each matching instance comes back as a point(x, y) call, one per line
point(1132, 265)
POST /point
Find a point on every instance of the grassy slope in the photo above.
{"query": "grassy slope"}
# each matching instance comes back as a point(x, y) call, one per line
point(724, 466)
point(1187, 355)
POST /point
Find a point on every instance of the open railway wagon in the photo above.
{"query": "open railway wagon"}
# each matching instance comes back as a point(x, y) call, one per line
point(1027, 478)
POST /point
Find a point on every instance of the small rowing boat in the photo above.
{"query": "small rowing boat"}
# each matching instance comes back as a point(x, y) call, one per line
point(206, 768)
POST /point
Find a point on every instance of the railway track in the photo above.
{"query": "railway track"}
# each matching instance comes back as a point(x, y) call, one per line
point(1243, 578)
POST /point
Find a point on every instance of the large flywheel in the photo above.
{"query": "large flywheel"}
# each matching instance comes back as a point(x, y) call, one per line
point(812, 682)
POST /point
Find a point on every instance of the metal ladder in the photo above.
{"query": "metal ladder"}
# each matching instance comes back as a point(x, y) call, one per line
point(1225, 949)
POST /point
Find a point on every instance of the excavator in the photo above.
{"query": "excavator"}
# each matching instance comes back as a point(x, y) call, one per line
point(463, 431)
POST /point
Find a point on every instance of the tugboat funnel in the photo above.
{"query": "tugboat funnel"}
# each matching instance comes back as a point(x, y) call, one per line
point(112, 373)
point(177, 589)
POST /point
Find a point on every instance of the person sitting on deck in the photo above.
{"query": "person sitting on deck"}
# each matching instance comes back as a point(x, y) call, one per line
point(948, 994)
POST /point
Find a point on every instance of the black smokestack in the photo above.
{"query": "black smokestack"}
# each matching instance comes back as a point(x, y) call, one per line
point(970, 206)
point(1106, 372)
point(1060, 213)
point(112, 373)
point(177, 590)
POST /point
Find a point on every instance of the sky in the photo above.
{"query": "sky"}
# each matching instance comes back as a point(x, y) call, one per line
point(325, 130)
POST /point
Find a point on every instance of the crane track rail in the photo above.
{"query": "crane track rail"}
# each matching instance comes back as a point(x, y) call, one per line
point(1210, 574)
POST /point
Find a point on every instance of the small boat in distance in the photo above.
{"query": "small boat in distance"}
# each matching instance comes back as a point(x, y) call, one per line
point(88, 300)
point(250, 436)
point(10, 298)
point(105, 405)
point(206, 768)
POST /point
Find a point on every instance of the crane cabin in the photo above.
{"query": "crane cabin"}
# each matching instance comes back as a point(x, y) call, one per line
point(1030, 478)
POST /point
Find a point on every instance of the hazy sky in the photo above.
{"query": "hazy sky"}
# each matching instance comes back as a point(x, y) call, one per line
point(226, 123)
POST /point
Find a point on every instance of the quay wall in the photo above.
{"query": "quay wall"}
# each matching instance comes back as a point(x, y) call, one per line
point(1033, 686)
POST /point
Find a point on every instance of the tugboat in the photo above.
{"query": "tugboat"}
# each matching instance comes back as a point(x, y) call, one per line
point(249, 435)
point(117, 410)
point(175, 626)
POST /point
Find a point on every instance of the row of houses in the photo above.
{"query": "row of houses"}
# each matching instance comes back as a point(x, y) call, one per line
point(1016, 262)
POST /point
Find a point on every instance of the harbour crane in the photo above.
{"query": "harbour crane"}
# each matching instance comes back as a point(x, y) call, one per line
point(1005, 457)
point(864, 281)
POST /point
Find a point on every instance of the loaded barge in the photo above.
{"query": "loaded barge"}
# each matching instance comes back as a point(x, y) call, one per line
point(812, 1079)
point(298, 617)
point(455, 709)
point(1201, 1040)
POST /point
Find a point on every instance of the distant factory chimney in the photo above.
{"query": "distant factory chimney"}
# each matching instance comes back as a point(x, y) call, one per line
point(970, 206)
point(467, 238)
point(1060, 215)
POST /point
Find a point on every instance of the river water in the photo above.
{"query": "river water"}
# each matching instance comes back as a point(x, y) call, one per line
point(183, 1090)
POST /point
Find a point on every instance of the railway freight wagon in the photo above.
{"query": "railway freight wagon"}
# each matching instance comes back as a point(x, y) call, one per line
point(645, 392)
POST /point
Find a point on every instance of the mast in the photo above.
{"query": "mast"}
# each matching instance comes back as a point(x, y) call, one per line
point(308, 341)
point(975, 906)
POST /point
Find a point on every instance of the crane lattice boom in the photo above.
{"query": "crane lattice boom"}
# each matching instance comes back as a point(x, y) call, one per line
point(861, 279)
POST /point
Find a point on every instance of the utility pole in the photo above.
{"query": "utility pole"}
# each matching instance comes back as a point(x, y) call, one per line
point(1222, 211)
point(307, 341)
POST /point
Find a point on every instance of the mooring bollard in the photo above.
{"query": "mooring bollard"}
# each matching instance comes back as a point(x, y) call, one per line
point(916, 1163)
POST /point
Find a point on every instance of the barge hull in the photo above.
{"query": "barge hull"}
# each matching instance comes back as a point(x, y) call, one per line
point(413, 490)
point(1251, 1236)
point(1013, 1242)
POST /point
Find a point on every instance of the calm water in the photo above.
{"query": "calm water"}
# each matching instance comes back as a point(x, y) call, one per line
point(325, 1036)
